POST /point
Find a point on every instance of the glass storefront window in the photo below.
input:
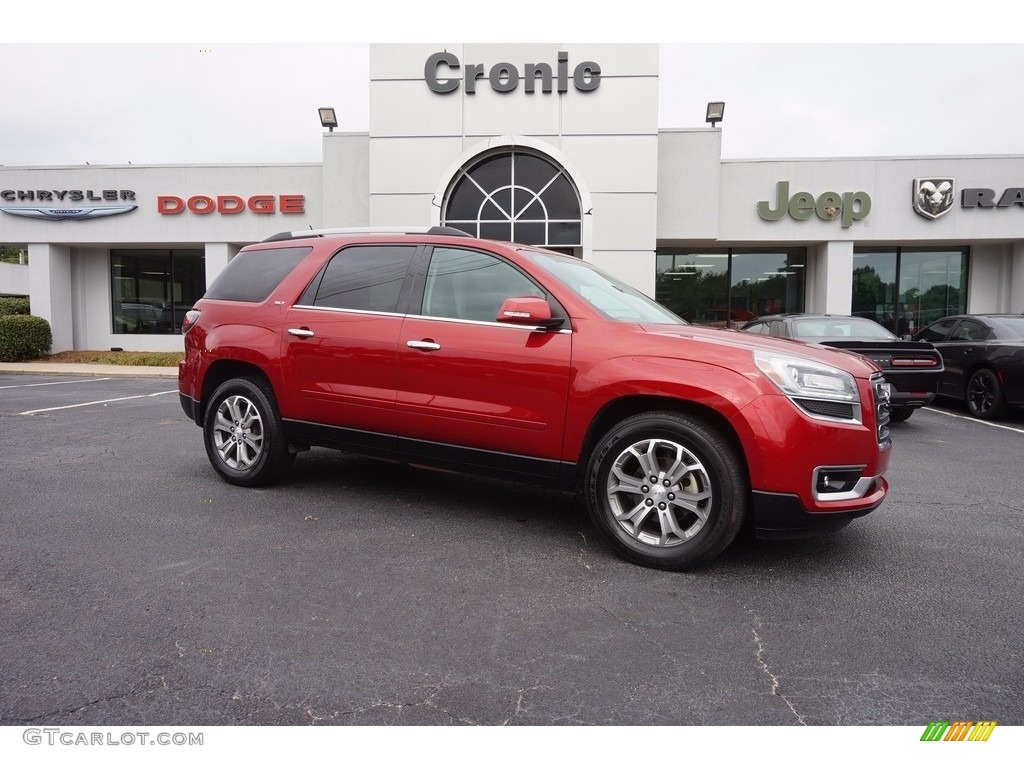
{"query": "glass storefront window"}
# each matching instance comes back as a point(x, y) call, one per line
point(874, 286)
point(728, 287)
point(151, 290)
point(932, 284)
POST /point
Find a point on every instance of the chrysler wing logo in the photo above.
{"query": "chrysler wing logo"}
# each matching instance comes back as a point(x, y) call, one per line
point(933, 197)
point(62, 214)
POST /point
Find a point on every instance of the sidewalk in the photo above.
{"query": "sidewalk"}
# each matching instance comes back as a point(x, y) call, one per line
point(91, 369)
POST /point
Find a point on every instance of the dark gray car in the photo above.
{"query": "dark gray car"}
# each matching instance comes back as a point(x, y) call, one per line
point(984, 358)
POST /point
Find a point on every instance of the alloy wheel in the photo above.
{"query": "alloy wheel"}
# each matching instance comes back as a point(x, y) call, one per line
point(238, 432)
point(659, 492)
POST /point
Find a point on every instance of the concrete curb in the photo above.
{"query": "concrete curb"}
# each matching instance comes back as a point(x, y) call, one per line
point(91, 369)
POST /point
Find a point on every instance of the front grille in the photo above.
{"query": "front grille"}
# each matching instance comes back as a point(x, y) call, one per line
point(880, 392)
point(828, 408)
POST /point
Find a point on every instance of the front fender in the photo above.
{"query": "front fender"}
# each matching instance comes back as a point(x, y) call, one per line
point(720, 389)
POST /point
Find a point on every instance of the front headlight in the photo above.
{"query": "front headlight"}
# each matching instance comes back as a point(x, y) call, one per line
point(821, 390)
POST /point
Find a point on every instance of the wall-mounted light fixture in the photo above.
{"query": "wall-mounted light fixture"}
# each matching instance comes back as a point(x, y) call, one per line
point(716, 110)
point(328, 118)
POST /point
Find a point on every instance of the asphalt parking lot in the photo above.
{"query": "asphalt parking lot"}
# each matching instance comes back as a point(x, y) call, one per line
point(138, 588)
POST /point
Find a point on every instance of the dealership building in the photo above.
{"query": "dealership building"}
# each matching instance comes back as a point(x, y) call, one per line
point(547, 144)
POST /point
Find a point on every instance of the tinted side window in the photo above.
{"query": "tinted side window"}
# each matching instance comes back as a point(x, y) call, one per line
point(971, 330)
point(470, 285)
point(757, 328)
point(365, 277)
point(937, 331)
point(253, 275)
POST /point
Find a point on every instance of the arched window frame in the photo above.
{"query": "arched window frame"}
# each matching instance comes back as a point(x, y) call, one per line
point(559, 228)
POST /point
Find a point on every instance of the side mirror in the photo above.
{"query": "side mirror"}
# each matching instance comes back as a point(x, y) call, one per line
point(528, 310)
point(907, 337)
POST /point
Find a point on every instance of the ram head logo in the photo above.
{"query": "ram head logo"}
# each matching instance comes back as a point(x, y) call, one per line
point(933, 197)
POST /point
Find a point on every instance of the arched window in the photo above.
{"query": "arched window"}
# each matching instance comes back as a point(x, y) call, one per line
point(515, 196)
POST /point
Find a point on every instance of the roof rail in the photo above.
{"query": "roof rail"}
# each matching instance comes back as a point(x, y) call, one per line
point(447, 231)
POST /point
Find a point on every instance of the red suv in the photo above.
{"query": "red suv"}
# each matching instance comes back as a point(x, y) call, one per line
point(440, 349)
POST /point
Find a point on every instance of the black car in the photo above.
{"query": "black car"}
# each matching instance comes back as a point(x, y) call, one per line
point(984, 356)
point(913, 368)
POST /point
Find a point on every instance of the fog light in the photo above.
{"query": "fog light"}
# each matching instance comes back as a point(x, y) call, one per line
point(837, 480)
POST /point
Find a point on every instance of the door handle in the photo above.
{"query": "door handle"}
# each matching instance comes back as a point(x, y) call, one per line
point(426, 346)
point(302, 333)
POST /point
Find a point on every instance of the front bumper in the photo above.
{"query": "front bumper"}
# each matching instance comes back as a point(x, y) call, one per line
point(783, 516)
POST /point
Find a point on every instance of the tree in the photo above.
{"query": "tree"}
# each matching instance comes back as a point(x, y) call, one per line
point(10, 255)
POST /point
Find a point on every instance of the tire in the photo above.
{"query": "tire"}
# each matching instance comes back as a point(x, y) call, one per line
point(244, 435)
point(984, 394)
point(900, 413)
point(699, 501)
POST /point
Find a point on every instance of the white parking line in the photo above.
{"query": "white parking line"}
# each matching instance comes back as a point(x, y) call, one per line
point(95, 402)
point(51, 383)
point(976, 421)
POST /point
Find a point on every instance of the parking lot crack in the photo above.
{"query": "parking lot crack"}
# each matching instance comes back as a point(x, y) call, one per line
point(80, 708)
point(771, 675)
point(521, 693)
point(428, 703)
point(581, 559)
point(643, 635)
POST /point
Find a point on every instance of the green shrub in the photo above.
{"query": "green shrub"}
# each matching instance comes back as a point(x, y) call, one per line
point(121, 358)
point(23, 337)
point(12, 305)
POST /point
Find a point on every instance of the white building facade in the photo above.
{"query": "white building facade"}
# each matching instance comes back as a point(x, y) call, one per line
point(550, 144)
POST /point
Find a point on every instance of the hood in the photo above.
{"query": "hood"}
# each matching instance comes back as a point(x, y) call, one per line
point(851, 362)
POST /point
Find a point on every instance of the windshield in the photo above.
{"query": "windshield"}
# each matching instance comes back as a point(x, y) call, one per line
point(612, 299)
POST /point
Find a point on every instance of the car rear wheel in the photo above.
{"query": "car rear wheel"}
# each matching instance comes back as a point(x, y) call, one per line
point(985, 394)
point(901, 413)
point(667, 490)
point(244, 436)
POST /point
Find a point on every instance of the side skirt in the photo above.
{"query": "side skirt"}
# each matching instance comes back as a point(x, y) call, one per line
point(475, 461)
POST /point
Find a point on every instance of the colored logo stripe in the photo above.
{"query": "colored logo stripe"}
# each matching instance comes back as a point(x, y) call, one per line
point(959, 730)
point(982, 731)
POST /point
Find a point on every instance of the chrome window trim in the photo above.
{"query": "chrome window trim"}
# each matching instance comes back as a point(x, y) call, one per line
point(491, 324)
point(350, 311)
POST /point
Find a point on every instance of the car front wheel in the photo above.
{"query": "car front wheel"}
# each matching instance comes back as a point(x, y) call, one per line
point(985, 395)
point(244, 437)
point(667, 490)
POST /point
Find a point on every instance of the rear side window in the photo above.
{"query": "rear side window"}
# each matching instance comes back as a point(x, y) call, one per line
point(971, 330)
point(253, 275)
point(366, 278)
